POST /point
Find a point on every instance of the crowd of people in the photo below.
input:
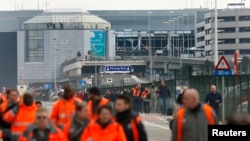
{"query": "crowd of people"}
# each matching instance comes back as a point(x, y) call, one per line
point(145, 99)
point(108, 117)
point(71, 118)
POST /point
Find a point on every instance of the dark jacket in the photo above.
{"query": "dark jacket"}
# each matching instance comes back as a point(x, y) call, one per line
point(164, 92)
point(179, 99)
point(124, 119)
point(76, 128)
point(212, 98)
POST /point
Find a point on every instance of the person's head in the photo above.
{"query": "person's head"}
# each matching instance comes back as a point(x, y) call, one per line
point(138, 86)
point(12, 95)
point(94, 93)
point(122, 103)
point(238, 119)
point(42, 118)
point(153, 84)
point(68, 92)
point(190, 98)
point(28, 99)
point(104, 114)
point(39, 104)
point(145, 89)
point(184, 89)
point(213, 89)
point(82, 110)
point(163, 84)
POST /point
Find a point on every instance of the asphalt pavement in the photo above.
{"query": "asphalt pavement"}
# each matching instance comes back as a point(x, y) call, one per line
point(157, 126)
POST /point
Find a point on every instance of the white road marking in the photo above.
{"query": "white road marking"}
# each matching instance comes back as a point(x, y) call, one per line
point(155, 125)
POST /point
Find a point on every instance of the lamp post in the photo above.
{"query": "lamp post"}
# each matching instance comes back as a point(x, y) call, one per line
point(170, 20)
point(215, 35)
point(150, 48)
point(187, 48)
point(95, 66)
point(55, 58)
point(175, 40)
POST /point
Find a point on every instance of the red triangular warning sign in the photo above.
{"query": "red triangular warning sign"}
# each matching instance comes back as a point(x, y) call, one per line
point(223, 64)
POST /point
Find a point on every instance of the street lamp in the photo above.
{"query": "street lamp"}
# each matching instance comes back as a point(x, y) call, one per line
point(186, 15)
point(150, 48)
point(95, 46)
point(55, 64)
point(215, 35)
point(179, 28)
point(175, 40)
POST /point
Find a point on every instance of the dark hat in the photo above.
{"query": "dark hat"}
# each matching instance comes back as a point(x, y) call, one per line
point(94, 91)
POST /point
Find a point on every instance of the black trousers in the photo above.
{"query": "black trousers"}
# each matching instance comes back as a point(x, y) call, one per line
point(146, 107)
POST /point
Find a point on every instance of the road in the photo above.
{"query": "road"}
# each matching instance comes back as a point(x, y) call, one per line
point(156, 126)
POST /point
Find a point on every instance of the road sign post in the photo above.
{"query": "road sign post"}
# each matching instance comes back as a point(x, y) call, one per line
point(223, 69)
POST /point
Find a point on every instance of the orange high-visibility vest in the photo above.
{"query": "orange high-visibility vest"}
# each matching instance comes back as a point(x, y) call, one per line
point(144, 94)
point(136, 92)
point(181, 113)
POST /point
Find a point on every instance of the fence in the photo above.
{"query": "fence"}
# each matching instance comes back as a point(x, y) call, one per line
point(236, 91)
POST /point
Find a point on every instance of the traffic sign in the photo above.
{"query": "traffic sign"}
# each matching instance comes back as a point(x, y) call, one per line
point(222, 64)
point(83, 83)
point(223, 72)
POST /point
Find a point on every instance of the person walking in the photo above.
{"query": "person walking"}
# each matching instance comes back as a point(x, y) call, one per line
point(136, 92)
point(145, 96)
point(164, 96)
point(214, 99)
point(131, 123)
point(192, 119)
point(95, 102)
point(104, 128)
point(42, 129)
point(21, 116)
point(63, 109)
point(153, 98)
point(12, 101)
point(77, 125)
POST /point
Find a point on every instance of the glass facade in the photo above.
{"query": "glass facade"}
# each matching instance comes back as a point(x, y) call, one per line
point(34, 51)
point(65, 21)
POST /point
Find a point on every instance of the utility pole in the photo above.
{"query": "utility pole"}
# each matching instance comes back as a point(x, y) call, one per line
point(150, 48)
point(215, 35)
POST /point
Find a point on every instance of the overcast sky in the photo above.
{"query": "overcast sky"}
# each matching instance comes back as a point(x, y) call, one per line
point(113, 4)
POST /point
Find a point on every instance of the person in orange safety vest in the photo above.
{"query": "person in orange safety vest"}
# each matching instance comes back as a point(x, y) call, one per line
point(95, 102)
point(21, 116)
point(42, 129)
point(11, 102)
point(104, 128)
point(63, 109)
point(192, 120)
point(136, 92)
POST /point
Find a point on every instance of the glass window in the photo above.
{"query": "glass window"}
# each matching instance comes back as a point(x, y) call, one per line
point(226, 19)
point(226, 30)
point(244, 40)
point(226, 41)
point(34, 51)
point(244, 29)
point(244, 18)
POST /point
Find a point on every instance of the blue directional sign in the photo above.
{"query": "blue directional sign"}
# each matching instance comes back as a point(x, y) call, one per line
point(117, 68)
point(83, 83)
point(223, 72)
point(47, 86)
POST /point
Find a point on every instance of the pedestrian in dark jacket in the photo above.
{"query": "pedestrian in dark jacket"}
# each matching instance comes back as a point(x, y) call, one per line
point(164, 96)
point(74, 128)
point(131, 123)
point(214, 99)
